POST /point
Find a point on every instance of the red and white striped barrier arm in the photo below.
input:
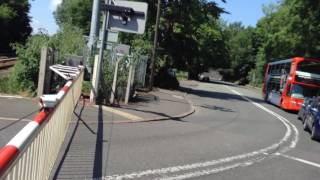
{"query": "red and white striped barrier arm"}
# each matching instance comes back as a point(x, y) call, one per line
point(12, 149)
point(9, 152)
point(64, 90)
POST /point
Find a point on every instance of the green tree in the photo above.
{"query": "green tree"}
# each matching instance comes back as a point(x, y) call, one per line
point(288, 29)
point(182, 24)
point(68, 40)
point(76, 13)
point(242, 49)
point(190, 36)
point(14, 24)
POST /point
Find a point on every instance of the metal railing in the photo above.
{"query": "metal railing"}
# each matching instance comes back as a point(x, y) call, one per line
point(141, 71)
point(31, 154)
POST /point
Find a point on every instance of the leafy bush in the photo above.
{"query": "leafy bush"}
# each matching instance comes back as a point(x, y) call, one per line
point(24, 76)
point(108, 74)
point(4, 85)
point(86, 87)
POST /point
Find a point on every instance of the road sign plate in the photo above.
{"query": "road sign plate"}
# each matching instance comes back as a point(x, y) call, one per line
point(122, 49)
point(136, 24)
point(112, 36)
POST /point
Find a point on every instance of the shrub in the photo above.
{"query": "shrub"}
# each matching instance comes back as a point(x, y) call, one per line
point(24, 76)
point(86, 88)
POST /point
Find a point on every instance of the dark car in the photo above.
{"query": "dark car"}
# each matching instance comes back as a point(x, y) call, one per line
point(312, 119)
point(305, 108)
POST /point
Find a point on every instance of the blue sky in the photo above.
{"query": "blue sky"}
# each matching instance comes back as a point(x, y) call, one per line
point(41, 13)
point(246, 11)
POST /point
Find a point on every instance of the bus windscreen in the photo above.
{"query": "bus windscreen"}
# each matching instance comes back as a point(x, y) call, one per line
point(300, 91)
point(308, 72)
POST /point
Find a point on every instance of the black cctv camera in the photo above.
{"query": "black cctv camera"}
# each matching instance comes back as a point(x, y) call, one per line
point(124, 18)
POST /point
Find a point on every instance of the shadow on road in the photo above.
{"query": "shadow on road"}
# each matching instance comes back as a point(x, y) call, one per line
point(62, 159)
point(98, 161)
point(155, 113)
point(217, 95)
point(217, 108)
point(222, 83)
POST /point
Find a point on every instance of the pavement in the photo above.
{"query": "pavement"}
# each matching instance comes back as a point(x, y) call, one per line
point(84, 147)
point(152, 106)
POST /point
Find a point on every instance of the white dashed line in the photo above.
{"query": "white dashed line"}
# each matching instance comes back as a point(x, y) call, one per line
point(11, 97)
point(13, 119)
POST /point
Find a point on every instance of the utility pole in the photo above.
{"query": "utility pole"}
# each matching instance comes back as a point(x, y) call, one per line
point(105, 22)
point(93, 29)
point(155, 42)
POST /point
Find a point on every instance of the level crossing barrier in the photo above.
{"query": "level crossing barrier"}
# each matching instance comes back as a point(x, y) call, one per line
point(31, 154)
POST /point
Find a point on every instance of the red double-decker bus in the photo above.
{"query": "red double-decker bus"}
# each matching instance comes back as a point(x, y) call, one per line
point(288, 82)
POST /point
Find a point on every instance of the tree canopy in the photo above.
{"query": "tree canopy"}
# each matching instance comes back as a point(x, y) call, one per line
point(288, 29)
point(193, 38)
point(76, 13)
point(14, 24)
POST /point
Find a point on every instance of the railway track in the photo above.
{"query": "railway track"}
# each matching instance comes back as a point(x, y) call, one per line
point(7, 62)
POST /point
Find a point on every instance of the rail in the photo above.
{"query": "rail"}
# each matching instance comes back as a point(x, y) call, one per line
point(31, 154)
point(8, 62)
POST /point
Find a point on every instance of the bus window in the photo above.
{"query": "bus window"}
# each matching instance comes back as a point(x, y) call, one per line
point(288, 68)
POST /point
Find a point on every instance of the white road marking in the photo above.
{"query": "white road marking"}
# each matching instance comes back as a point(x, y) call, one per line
point(208, 171)
point(13, 119)
point(300, 160)
point(178, 97)
point(202, 173)
point(175, 169)
point(281, 118)
point(11, 97)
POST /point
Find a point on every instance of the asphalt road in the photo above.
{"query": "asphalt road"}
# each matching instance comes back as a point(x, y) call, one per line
point(232, 135)
point(15, 113)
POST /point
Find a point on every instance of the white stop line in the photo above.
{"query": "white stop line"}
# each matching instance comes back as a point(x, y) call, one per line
point(164, 173)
